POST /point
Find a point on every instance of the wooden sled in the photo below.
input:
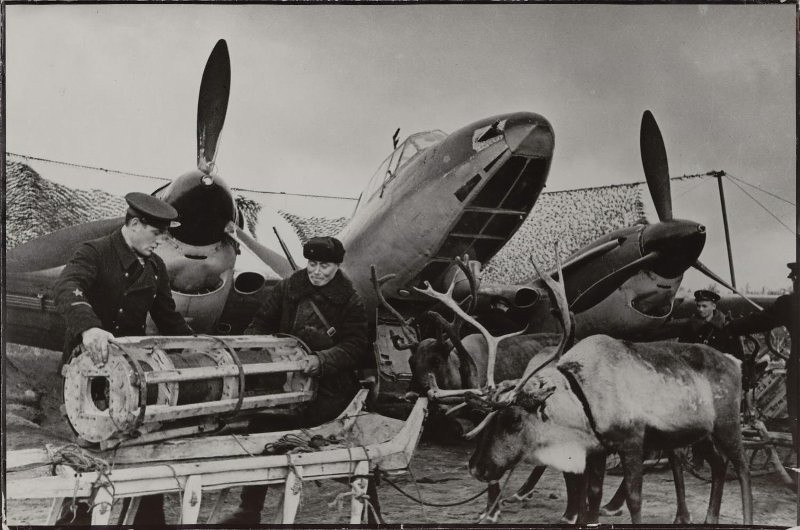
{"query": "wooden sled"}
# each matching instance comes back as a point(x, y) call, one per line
point(366, 441)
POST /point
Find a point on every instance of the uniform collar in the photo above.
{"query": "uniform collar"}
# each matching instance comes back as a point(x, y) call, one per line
point(717, 319)
point(338, 290)
point(126, 254)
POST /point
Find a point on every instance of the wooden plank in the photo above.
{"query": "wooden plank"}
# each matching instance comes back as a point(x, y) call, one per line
point(212, 517)
point(22, 458)
point(102, 502)
point(48, 487)
point(192, 493)
point(213, 372)
point(232, 341)
point(167, 434)
point(159, 413)
point(291, 494)
point(55, 511)
point(359, 489)
point(52, 486)
point(129, 513)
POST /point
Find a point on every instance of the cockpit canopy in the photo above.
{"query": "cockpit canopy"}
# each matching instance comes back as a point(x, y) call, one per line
point(404, 152)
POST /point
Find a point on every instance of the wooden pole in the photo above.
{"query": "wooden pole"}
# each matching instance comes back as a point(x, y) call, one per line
point(719, 175)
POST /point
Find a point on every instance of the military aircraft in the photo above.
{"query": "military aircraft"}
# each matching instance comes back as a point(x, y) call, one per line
point(435, 197)
point(624, 283)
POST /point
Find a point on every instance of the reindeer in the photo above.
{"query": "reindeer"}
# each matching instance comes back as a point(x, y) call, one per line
point(607, 395)
point(439, 367)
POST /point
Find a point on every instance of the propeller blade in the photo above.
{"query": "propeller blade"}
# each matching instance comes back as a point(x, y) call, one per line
point(273, 260)
point(654, 162)
point(55, 248)
point(607, 285)
point(711, 274)
point(212, 104)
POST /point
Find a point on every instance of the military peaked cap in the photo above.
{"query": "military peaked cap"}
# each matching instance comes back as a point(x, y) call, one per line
point(325, 249)
point(152, 210)
point(706, 296)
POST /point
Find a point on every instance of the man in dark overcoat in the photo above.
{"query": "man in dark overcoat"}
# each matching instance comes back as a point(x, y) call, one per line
point(318, 305)
point(106, 290)
point(782, 313)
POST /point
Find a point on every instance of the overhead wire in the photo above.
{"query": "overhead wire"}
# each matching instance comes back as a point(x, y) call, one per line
point(762, 190)
point(127, 173)
point(763, 207)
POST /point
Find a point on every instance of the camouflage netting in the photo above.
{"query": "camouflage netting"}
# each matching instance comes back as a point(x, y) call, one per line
point(36, 206)
point(308, 227)
point(574, 218)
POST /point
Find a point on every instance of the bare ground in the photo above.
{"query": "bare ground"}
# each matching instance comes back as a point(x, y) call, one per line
point(438, 474)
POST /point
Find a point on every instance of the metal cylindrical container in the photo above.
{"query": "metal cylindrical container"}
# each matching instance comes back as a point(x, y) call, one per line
point(158, 383)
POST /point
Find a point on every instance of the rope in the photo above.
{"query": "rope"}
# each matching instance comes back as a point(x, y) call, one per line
point(763, 207)
point(293, 443)
point(81, 461)
point(433, 504)
point(762, 190)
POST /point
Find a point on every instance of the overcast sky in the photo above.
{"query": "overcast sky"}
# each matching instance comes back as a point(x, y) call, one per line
point(317, 92)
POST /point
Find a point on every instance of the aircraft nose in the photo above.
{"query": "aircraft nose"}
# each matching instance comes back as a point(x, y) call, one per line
point(679, 244)
point(530, 136)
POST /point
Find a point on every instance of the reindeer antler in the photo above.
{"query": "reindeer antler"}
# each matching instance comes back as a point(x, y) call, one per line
point(506, 394)
point(410, 336)
point(447, 299)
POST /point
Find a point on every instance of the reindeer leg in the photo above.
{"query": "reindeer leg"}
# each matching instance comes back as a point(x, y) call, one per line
point(582, 491)
point(492, 512)
point(682, 516)
point(614, 506)
point(573, 510)
point(631, 457)
point(525, 492)
point(595, 470)
point(718, 468)
point(730, 443)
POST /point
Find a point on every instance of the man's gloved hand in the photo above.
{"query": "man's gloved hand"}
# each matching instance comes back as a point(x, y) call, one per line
point(95, 341)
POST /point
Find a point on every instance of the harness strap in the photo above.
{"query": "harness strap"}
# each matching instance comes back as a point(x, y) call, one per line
point(578, 391)
point(331, 331)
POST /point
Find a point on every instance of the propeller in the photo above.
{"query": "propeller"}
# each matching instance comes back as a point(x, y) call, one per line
point(711, 274)
point(272, 259)
point(654, 162)
point(51, 250)
point(212, 105)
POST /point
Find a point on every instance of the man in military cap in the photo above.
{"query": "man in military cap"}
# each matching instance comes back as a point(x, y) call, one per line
point(318, 305)
point(705, 326)
point(782, 313)
point(106, 290)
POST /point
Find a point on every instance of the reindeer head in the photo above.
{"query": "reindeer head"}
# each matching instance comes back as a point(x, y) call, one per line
point(433, 367)
point(512, 430)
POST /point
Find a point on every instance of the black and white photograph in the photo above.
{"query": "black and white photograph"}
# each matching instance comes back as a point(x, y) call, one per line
point(401, 263)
